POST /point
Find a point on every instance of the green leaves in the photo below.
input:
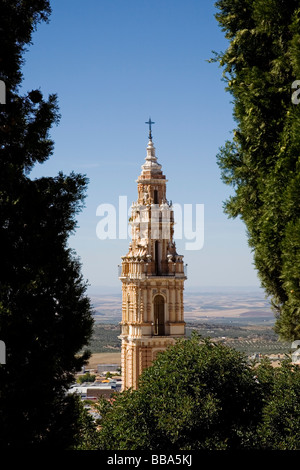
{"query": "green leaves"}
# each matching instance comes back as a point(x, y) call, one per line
point(45, 315)
point(197, 395)
point(279, 429)
point(261, 162)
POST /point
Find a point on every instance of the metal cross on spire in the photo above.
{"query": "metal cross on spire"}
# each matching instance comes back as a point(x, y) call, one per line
point(150, 122)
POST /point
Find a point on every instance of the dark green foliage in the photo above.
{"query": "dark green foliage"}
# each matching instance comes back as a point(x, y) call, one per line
point(204, 396)
point(280, 426)
point(195, 396)
point(45, 316)
point(86, 435)
point(262, 160)
point(105, 338)
point(87, 377)
point(19, 19)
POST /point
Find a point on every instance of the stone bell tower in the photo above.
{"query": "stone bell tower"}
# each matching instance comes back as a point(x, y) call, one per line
point(152, 275)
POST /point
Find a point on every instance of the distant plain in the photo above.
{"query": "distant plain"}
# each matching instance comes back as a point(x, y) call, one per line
point(203, 306)
point(239, 319)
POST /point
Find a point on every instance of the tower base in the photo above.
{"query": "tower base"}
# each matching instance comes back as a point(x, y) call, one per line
point(138, 354)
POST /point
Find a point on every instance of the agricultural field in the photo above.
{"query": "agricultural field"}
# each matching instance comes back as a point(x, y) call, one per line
point(242, 320)
point(105, 339)
point(249, 339)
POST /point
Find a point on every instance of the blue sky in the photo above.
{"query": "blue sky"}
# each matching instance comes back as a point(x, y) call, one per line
point(113, 64)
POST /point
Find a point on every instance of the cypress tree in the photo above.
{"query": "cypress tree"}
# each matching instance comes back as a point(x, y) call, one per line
point(262, 161)
point(45, 314)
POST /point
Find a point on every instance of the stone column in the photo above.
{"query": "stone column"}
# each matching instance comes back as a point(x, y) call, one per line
point(171, 304)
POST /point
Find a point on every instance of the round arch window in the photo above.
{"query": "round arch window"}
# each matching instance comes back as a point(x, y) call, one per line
point(159, 315)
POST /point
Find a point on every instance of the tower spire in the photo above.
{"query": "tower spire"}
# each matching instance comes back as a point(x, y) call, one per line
point(152, 276)
point(151, 163)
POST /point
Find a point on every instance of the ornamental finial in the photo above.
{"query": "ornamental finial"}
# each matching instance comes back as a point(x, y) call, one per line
point(150, 123)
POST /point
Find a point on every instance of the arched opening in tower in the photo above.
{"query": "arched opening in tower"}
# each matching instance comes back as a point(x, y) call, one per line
point(159, 315)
